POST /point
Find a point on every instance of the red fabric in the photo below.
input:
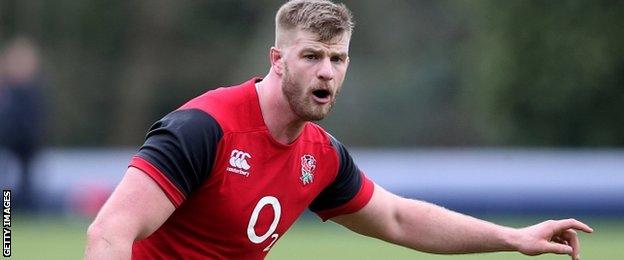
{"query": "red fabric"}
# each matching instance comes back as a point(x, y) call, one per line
point(173, 193)
point(232, 214)
point(359, 201)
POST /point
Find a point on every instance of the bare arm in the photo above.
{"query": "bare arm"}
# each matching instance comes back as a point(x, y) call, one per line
point(426, 227)
point(135, 210)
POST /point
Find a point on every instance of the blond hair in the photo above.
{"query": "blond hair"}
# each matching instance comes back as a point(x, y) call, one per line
point(321, 17)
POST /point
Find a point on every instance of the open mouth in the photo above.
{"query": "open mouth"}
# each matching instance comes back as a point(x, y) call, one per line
point(321, 94)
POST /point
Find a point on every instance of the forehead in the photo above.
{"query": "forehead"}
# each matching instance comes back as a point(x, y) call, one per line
point(308, 40)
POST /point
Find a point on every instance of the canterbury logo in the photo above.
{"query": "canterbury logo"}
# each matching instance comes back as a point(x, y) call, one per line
point(238, 161)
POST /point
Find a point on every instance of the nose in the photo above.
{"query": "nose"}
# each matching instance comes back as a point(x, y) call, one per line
point(326, 71)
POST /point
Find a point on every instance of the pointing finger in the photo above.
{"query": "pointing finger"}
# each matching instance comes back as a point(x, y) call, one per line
point(574, 224)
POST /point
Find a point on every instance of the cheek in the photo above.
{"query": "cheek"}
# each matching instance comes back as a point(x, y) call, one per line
point(340, 69)
point(340, 73)
point(303, 74)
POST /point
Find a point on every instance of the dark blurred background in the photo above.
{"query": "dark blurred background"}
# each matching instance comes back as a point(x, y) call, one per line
point(486, 107)
point(423, 73)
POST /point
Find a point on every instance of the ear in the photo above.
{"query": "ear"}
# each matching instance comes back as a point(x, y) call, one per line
point(277, 61)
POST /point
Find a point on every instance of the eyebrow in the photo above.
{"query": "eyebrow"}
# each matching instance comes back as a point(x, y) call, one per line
point(314, 50)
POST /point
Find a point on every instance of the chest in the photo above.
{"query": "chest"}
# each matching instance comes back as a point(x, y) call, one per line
point(253, 164)
point(257, 188)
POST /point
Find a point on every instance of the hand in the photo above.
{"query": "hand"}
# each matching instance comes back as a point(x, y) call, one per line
point(552, 236)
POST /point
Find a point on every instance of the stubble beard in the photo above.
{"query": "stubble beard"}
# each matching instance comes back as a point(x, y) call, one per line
point(300, 102)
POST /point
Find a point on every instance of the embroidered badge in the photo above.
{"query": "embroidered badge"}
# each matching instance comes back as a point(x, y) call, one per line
point(238, 163)
point(308, 164)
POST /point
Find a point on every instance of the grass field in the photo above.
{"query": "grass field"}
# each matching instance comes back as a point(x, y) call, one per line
point(63, 238)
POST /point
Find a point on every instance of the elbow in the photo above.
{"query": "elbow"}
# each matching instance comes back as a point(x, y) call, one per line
point(391, 227)
point(95, 231)
point(110, 233)
point(101, 233)
point(396, 231)
point(103, 243)
point(404, 219)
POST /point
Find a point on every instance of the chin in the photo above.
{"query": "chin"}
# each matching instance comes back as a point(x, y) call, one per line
point(317, 116)
point(313, 117)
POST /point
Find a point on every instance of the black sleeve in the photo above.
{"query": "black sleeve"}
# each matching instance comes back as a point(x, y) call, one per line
point(183, 146)
point(346, 185)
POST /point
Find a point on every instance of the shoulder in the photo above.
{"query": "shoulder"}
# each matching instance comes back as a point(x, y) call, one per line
point(317, 134)
point(187, 122)
point(233, 107)
point(179, 151)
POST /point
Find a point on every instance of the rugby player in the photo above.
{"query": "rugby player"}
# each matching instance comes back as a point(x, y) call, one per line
point(225, 175)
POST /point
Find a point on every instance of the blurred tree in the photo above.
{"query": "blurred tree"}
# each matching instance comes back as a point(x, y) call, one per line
point(422, 73)
point(151, 26)
point(117, 66)
point(402, 85)
point(547, 73)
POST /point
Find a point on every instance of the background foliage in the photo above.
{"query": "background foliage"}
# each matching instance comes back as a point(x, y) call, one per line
point(427, 73)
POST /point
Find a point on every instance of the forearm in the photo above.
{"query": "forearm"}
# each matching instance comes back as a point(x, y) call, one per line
point(430, 228)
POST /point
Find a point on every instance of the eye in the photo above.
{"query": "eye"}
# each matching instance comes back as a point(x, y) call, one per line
point(310, 57)
point(337, 59)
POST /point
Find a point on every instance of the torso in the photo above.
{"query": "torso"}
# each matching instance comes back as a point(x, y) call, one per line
point(256, 188)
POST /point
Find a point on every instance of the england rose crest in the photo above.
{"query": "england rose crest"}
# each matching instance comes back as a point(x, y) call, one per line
point(308, 164)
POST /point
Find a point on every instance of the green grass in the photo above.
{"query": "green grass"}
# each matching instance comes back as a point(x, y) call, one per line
point(330, 241)
point(63, 238)
point(48, 238)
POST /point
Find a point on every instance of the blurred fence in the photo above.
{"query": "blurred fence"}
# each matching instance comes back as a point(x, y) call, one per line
point(476, 181)
point(518, 181)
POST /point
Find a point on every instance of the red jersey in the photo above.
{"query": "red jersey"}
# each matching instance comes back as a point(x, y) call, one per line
point(236, 189)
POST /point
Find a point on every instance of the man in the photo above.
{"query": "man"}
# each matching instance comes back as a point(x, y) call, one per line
point(21, 112)
point(227, 174)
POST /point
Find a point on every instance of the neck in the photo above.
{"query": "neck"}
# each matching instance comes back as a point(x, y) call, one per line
point(283, 124)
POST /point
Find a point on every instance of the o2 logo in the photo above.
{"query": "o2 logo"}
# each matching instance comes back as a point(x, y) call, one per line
point(251, 232)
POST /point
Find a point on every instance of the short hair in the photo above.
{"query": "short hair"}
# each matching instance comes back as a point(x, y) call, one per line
point(321, 17)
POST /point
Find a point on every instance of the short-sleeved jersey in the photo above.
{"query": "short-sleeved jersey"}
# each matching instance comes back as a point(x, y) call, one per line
point(235, 188)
